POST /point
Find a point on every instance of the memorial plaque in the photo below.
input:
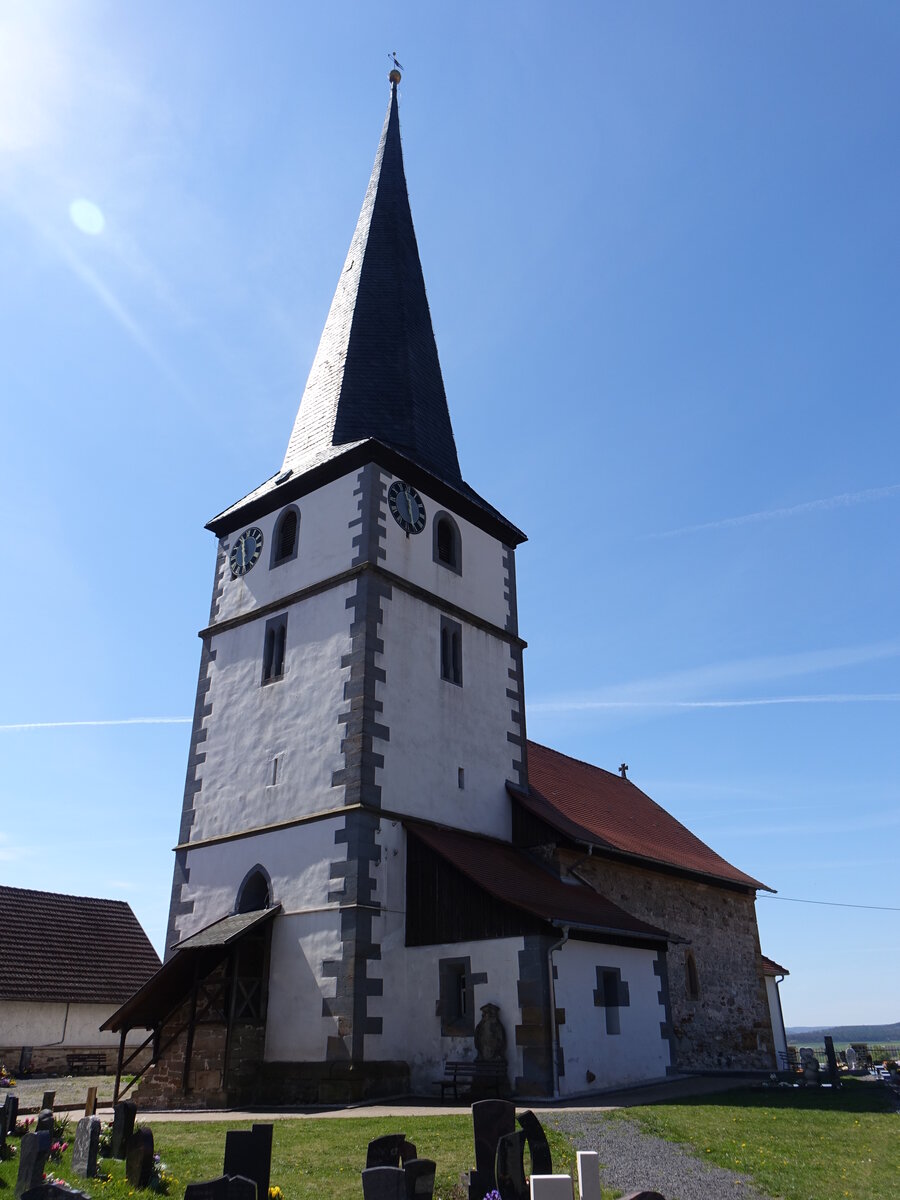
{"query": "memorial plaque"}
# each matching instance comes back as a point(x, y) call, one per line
point(124, 1114)
point(87, 1141)
point(139, 1158)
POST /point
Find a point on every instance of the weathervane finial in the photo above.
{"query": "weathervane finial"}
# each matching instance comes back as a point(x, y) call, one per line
point(394, 76)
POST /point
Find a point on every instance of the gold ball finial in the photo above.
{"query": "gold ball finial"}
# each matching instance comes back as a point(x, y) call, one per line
point(394, 76)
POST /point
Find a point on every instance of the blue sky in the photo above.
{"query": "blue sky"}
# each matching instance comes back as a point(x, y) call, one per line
point(661, 249)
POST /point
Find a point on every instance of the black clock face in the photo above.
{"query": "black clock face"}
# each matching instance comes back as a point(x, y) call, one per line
point(245, 551)
point(406, 506)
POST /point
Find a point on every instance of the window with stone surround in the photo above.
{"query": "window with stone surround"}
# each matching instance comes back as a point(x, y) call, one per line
point(611, 994)
point(456, 1005)
point(451, 651)
point(274, 648)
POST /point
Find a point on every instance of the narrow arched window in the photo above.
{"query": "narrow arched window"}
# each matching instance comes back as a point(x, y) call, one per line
point(285, 537)
point(447, 543)
point(254, 892)
point(274, 644)
point(692, 979)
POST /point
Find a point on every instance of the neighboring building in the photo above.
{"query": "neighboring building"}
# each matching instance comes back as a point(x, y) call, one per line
point(370, 849)
point(66, 964)
point(773, 975)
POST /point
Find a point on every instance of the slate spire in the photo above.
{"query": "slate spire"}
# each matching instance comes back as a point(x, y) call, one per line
point(376, 372)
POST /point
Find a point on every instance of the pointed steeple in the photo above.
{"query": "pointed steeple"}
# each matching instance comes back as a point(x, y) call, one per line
point(376, 373)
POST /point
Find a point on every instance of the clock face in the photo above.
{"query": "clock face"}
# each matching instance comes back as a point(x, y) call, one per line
point(245, 551)
point(406, 506)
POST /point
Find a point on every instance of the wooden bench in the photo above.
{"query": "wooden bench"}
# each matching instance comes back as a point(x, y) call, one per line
point(87, 1064)
point(488, 1075)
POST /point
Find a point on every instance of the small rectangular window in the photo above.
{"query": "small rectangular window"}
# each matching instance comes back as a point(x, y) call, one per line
point(611, 995)
point(274, 648)
point(456, 1003)
point(451, 651)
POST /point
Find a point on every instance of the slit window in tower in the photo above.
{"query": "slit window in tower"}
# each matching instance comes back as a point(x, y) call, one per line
point(451, 651)
point(273, 648)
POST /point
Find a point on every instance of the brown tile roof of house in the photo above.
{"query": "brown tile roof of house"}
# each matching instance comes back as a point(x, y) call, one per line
point(770, 967)
point(512, 876)
point(604, 810)
point(70, 948)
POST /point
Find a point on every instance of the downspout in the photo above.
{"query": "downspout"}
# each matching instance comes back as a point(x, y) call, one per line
point(554, 1026)
point(64, 1028)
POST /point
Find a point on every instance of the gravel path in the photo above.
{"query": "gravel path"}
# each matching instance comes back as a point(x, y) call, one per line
point(631, 1159)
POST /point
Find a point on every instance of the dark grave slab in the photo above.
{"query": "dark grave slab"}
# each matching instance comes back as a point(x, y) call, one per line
point(538, 1146)
point(511, 1182)
point(248, 1153)
point(209, 1189)
point(90, 1103)
point(2, 1130)
point(44, 1122)
point(33, 1151)
point(53, 1191)
point(645, 1195)
point(833, 1073)
point(124, 1114)
point(87, 1141)
point(384, 1183)
point(419, 1174)
point(139, 1158)
point(48, 1099)
point(11, 1104)
point(391, 1150)
point(240, 1188)
point(491, 1120)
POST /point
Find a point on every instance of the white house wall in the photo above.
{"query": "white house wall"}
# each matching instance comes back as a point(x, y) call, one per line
point(41, 1025)
point(639, 1052)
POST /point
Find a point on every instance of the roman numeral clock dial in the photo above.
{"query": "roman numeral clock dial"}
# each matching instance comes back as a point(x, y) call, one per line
point(406, 507)
point(245, 551)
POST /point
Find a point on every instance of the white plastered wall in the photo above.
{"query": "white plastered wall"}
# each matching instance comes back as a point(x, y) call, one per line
point(41, 1025)
point(295, 718)
point(325, 549)
point(635, 1055)
point(436, 727)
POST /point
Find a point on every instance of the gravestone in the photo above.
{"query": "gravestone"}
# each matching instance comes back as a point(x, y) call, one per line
point(90, 1103)
point(11, 1104)
point(833, 1073)
point(87, 1142)
point(419, 1174)
point(248, 1154)
point(44, 1123)
point(2, 1130)
point(384, 1183)
point(48, 1099)
point(643, 1195)
point(810, 1065)
point(511, 1182)
point(226, 1187)
point(124, 1114)
point(33, 1151)
point(54, 1191)
point(850, 1055)
point(391, 1150)
point(139, 1158)
point(491, 1120)
point(538, 1146)
point(551, 1187)
point(589, 1175)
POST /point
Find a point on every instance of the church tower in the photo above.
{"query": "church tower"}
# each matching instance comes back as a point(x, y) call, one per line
point(361, 667)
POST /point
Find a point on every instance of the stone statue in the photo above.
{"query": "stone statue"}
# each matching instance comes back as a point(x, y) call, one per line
point(490, 1036)
point(810, 1065)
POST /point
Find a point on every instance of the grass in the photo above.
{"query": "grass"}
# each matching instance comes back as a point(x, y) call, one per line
point(311, 1158)
point(796, 1143)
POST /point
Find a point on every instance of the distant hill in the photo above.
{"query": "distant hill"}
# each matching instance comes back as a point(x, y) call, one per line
point(877, 1034)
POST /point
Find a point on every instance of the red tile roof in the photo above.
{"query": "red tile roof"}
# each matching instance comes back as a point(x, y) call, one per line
point(70, 948)
point(595, 806)
point(770, 967)
point(512, 876)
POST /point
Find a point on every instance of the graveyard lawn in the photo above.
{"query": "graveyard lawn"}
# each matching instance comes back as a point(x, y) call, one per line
point(312, 1159)
point(794, 1142)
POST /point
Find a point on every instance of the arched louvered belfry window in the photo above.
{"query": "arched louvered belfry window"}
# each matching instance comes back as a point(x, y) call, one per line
point(447, 542)
point(285, 537)
point(255, 892)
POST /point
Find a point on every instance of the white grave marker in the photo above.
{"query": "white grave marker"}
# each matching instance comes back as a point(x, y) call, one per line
point(551, 1187)
point(589, 1175)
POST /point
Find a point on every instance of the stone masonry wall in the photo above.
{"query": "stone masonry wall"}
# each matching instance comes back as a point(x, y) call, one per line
point(728, 1027)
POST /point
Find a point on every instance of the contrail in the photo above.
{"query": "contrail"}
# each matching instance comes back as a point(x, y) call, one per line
point(549, 706)
point(83, 724)
point(845, 500)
